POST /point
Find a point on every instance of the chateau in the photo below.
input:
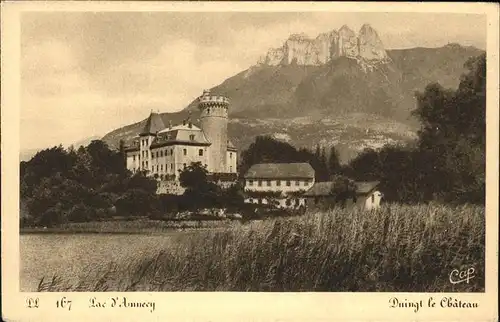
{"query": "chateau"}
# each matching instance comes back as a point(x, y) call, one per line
point(163, 151)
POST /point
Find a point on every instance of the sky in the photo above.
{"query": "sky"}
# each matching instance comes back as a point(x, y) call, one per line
point(84, 74)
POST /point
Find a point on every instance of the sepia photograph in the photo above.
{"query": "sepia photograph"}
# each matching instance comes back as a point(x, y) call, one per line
point(250, 151)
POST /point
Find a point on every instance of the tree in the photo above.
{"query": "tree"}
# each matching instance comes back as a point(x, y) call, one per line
point(334, 166)
point(193, 175)
point(267, 150)
point(453, 135)
point(343, 189)
point(122, 153)
point(200, 191)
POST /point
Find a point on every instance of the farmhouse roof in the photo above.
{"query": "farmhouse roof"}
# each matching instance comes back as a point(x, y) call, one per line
point(322, 189)
point(280, 171)
point(154, 124)
point(366, 187)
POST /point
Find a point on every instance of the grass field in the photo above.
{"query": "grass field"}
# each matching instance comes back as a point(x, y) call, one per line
point(397, 248)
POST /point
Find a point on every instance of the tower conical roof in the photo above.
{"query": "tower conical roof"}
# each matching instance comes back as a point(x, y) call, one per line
point(154, 123)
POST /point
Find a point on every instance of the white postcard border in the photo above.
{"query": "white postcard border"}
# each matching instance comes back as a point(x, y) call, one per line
point(222, 306)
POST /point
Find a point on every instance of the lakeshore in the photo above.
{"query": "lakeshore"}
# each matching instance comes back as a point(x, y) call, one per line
point(137, 226)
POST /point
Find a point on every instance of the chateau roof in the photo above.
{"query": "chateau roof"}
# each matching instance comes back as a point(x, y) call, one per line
point(154, 123)
point(280, 171)
point(181, 127)
point(181, 134)
point(322, 189)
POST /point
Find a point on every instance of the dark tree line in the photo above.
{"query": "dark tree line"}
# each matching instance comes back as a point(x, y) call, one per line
point(91, 183)
point(265, 149)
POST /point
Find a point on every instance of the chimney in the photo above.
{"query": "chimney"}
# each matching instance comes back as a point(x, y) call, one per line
point(184, 122)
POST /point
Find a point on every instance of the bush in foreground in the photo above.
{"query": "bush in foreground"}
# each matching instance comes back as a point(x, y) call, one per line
point(397, 249)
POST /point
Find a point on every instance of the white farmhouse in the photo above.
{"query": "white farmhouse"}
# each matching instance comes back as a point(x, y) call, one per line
point(280, 183)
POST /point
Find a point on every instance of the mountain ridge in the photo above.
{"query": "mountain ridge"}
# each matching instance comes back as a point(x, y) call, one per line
point(269, 99)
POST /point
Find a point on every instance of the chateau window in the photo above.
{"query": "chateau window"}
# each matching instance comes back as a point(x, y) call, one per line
point(152, 155)
point(157, 168)
point(260, 183)
point(185, 151)
point(147, 154)
point(161, 167)
point(278, 183)
point(133, 158)
point(297, 183)
point(373, 197)
point(200, 152)
point(288, 183)
point(161, 153)
point(191, 137)
point(230, 168)
point(172, 166)
point(208, 111)
point(147, 164)
point(230, 155)
point(268, 183)
point(250, 182)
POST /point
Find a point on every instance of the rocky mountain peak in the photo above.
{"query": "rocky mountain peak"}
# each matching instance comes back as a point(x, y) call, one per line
point(345, 30)
point(370, 45)
point(366, 27)
point(302, 50)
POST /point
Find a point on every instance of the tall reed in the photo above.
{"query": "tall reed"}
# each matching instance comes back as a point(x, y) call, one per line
point(397, 248)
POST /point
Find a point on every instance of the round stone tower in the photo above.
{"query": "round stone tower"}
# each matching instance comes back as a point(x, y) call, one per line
point(213, 122)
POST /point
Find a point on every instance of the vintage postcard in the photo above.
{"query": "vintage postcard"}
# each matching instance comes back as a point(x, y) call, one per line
point(213, 161)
